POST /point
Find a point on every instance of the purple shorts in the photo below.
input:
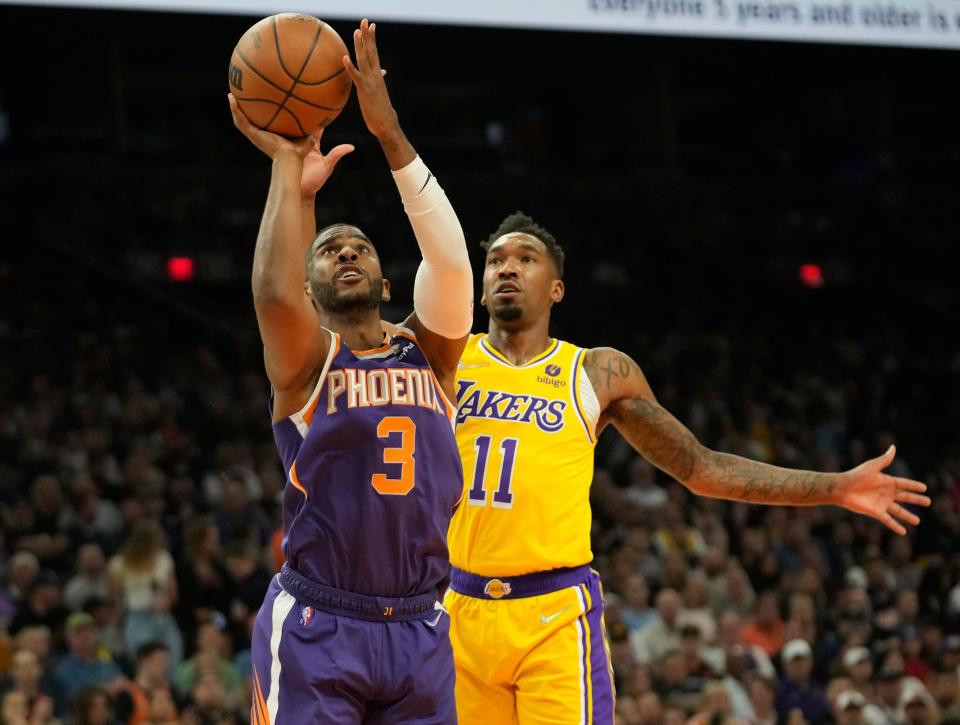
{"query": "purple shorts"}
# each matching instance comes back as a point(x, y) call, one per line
point(313, 666)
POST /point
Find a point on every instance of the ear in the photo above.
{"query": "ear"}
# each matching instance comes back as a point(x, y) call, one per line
point(556, 291)
point(483, 299)
point(309, 293)
point(385, 295)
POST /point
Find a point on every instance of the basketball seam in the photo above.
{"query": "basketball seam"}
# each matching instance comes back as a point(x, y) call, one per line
point(280, 88)
point(279, 108)
point(296, 79)
point(322, 81)
point(293, 116)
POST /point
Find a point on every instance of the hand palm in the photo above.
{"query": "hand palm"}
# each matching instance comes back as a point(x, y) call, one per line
point(872, 492)
point(318, 166)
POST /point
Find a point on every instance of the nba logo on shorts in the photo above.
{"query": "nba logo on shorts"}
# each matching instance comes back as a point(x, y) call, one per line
point(552, 370)
point(496, 589)
point(306, 616)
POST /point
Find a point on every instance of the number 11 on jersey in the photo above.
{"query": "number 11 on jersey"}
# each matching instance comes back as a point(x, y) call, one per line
point(503, 496)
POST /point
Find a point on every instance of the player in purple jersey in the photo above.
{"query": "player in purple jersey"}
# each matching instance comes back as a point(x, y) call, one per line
point(351, 630)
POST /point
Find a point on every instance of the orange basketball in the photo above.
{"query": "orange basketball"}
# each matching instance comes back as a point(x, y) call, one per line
point(287, 74)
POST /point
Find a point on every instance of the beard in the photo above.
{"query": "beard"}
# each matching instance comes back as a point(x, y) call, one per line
point(334, 301)
point(507, 313)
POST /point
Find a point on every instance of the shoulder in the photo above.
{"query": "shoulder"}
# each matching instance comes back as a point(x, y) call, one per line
point(606, 366)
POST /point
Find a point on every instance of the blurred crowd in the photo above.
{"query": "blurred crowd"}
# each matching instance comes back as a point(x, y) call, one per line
point(139, 495)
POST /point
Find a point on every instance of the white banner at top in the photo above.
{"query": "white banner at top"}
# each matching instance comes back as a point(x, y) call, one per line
point(920, 23)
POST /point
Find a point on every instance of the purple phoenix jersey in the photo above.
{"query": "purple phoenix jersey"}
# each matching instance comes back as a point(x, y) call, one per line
point(373, 473)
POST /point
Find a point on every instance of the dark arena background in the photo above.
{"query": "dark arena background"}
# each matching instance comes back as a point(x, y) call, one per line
point(772, 230)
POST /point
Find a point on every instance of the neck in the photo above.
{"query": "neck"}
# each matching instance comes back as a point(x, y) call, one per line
point(359, 330)
point(520, 344)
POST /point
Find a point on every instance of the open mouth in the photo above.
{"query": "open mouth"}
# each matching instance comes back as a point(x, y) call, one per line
point(506, 288)
point(349, 271)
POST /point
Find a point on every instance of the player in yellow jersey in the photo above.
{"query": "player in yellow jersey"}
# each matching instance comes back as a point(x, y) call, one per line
point(526, 609)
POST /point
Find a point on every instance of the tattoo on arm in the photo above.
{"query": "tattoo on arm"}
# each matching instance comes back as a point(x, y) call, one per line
point(658, 436)
point(733, 477)
point(670, 446)
point(622, 368)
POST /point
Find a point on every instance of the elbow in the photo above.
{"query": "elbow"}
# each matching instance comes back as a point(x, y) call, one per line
point(697, 473)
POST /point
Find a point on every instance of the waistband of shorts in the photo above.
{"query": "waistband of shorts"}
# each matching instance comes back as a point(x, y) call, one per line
point(358, 606)
point(517, 587)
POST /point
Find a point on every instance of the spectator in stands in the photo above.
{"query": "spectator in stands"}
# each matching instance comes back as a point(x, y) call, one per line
point(766, 631)
point(636, 610)
point(917, 707)
point(763, 698)
point(848, 708)
point(238, 518)
point(133, 703)
point(696, 608)
point(143, 580)
point(91, 579)
point(675, 685)
point(650, 644)
point(208, 703)
point(643, 489)
point(202, 580)
point(714, 706)
point(106, 614)
point(888, 685)
point(84, 665)
point(691, 647)
point(93, 707)
point(649, 710)
point(15, 710)
point(209, 659)
point(858, 666)
point(248, 582)
point(45, 536)
point(26, 672)
point(22, 570)
point(798, 690)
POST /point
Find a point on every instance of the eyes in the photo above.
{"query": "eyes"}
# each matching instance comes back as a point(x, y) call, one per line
point(333, 250)
point(525, 259)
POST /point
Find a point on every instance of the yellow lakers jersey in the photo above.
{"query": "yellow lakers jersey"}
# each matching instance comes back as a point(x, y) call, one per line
point(526, 435)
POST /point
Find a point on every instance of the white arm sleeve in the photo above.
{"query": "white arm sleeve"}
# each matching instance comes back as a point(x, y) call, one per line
point(443, 290)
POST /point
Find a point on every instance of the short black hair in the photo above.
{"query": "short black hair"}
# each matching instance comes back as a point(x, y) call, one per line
point(150, 648)
point(518, 222)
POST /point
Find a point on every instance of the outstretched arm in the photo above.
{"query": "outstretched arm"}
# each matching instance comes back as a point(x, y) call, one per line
point(629, 404)
point(443, 290)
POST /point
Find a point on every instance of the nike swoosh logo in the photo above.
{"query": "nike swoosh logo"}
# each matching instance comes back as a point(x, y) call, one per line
point(471, 367)
point(547, 620)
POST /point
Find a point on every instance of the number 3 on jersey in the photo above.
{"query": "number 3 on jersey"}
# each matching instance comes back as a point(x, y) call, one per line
point(503, 496)
point(402, 454)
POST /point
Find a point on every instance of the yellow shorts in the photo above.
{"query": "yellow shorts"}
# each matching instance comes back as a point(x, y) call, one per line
point(530, 649)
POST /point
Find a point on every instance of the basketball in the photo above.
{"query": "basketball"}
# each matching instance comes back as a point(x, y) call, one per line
point(287, 74)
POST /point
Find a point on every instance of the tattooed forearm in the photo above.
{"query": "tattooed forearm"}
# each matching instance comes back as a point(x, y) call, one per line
point(668, 445)
point(664, 441)
point(732, 477)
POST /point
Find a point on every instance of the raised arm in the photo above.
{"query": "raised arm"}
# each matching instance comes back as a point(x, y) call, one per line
point(294, 343)
point(443, 290)
point(629, 404)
